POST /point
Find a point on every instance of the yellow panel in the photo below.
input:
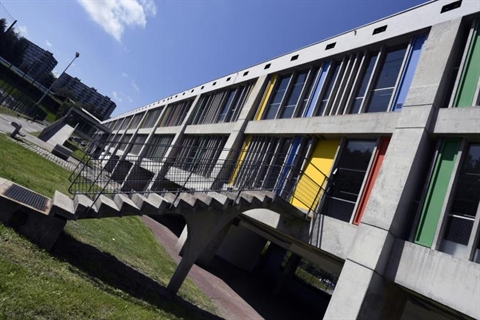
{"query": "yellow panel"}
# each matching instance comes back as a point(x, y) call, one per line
point(240, 158)
point(307, 187)
point(268, 91)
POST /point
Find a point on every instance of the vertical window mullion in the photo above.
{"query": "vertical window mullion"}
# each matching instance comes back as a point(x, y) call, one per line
point(290, 84)
point(342, 84)
point(373, 76)
point(357, 81)
point(331, 99)
point(308, 80)
point(352, 78)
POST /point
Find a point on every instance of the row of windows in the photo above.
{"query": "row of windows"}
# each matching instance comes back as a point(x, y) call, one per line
point(199, 154)
point(175, 113)
point(221, 106)
point(366, 81)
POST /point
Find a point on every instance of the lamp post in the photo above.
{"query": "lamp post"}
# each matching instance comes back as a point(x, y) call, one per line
point(51, 86)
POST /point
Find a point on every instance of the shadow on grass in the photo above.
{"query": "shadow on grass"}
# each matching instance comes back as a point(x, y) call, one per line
point(108, 269)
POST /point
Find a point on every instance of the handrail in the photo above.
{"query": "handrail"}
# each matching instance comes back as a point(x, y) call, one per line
point(111, 173)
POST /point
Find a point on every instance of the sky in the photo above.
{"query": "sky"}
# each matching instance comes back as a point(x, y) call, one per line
point(140, 51)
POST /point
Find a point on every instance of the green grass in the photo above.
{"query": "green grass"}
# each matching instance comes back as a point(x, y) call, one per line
point(98, 269)
point(7, 111)
point(30, 170)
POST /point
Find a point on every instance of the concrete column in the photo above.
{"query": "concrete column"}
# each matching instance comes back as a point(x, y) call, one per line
point(362, 291)
point(287, 273)
point(202, 227)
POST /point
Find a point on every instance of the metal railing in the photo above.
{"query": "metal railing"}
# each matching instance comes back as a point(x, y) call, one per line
point(108, 173)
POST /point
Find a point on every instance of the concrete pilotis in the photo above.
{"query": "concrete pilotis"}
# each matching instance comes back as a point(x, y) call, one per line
point(202, 227)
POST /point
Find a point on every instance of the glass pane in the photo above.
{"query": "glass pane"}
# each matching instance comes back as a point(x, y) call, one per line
point(366, 76)
point(356, 105)
point(390, 69)
point(458, 230)
point(379, 100)
point(467, 192)
point(348, 178)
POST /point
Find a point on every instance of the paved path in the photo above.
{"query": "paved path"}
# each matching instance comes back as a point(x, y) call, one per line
point(229, 304)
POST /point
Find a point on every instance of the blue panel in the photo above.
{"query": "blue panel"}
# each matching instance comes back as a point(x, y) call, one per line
point(408, 72)
point(288, 162)
point(318, 87)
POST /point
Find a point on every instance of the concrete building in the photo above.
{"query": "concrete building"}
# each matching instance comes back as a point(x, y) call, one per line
point(102, 105)
point(381, 123)
point(37, 61)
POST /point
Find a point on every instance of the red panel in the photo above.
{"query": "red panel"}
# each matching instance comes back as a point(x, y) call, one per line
point(372, 176)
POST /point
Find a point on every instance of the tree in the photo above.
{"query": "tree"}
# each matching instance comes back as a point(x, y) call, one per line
point(12, 45)
point(47, 79)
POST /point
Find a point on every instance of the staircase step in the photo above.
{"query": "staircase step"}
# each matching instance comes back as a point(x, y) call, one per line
point(147, 206)
point(263, 196)
point(126, 206)
point(239, 201)
point(211, 202)
point(195, 202)
point(62, 205)
point(223, 199)
point(106, 207)
point(84, 207)
point(160, 202)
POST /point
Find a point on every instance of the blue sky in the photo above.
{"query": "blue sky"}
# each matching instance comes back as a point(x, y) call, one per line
point(139, 51)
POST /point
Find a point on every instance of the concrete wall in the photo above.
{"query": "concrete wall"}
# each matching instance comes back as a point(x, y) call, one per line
point(438, 276)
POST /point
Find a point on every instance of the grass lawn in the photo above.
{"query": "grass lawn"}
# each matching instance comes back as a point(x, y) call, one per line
point(98, 269)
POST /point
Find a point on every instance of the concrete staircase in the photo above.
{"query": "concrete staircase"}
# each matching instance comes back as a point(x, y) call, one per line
point(82, 207)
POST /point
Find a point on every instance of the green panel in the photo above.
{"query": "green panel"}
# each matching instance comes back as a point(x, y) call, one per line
point(470, 73)
point(436, 192)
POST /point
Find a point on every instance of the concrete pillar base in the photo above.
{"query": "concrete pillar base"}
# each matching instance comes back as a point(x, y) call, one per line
point(202, 227)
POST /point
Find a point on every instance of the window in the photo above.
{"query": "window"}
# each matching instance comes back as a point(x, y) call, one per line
point(158, 147)
point(277, 97)
point(365, 81)
point(294, 95)
point(175, 113)
point(347, 179)
point(467, 86)
point(138, 144)
point(199, 154)
point(221, 106)
point(136, 120)
point(152, 117)
point(465, 206)
point(386, 81)
point(270, 163)
point(290, 95)
point(357, 102)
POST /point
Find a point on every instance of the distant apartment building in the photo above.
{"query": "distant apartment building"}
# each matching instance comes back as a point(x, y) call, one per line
point(102, 105)
point(37, 61)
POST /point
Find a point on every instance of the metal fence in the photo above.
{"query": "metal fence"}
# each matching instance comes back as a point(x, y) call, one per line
point(108, 168)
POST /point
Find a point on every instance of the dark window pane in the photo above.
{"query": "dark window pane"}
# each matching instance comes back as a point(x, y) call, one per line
point(458, 230)
point(379, 100)
point(348, 178)
point(366, 76)
point(390, 69)
point(356, 105)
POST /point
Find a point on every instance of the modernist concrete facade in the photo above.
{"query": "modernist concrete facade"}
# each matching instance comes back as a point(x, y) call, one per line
point(390, 114)
point(103, 105)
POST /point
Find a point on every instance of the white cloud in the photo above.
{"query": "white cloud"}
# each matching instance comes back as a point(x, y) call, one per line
point(129, 99)
point(23, 31)
point(135, 86)
point(48, 43)
point(116, 96)
point(115, 15)
point(125, 75)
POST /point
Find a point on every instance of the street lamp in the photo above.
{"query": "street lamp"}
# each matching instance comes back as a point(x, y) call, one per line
point(51, 86)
